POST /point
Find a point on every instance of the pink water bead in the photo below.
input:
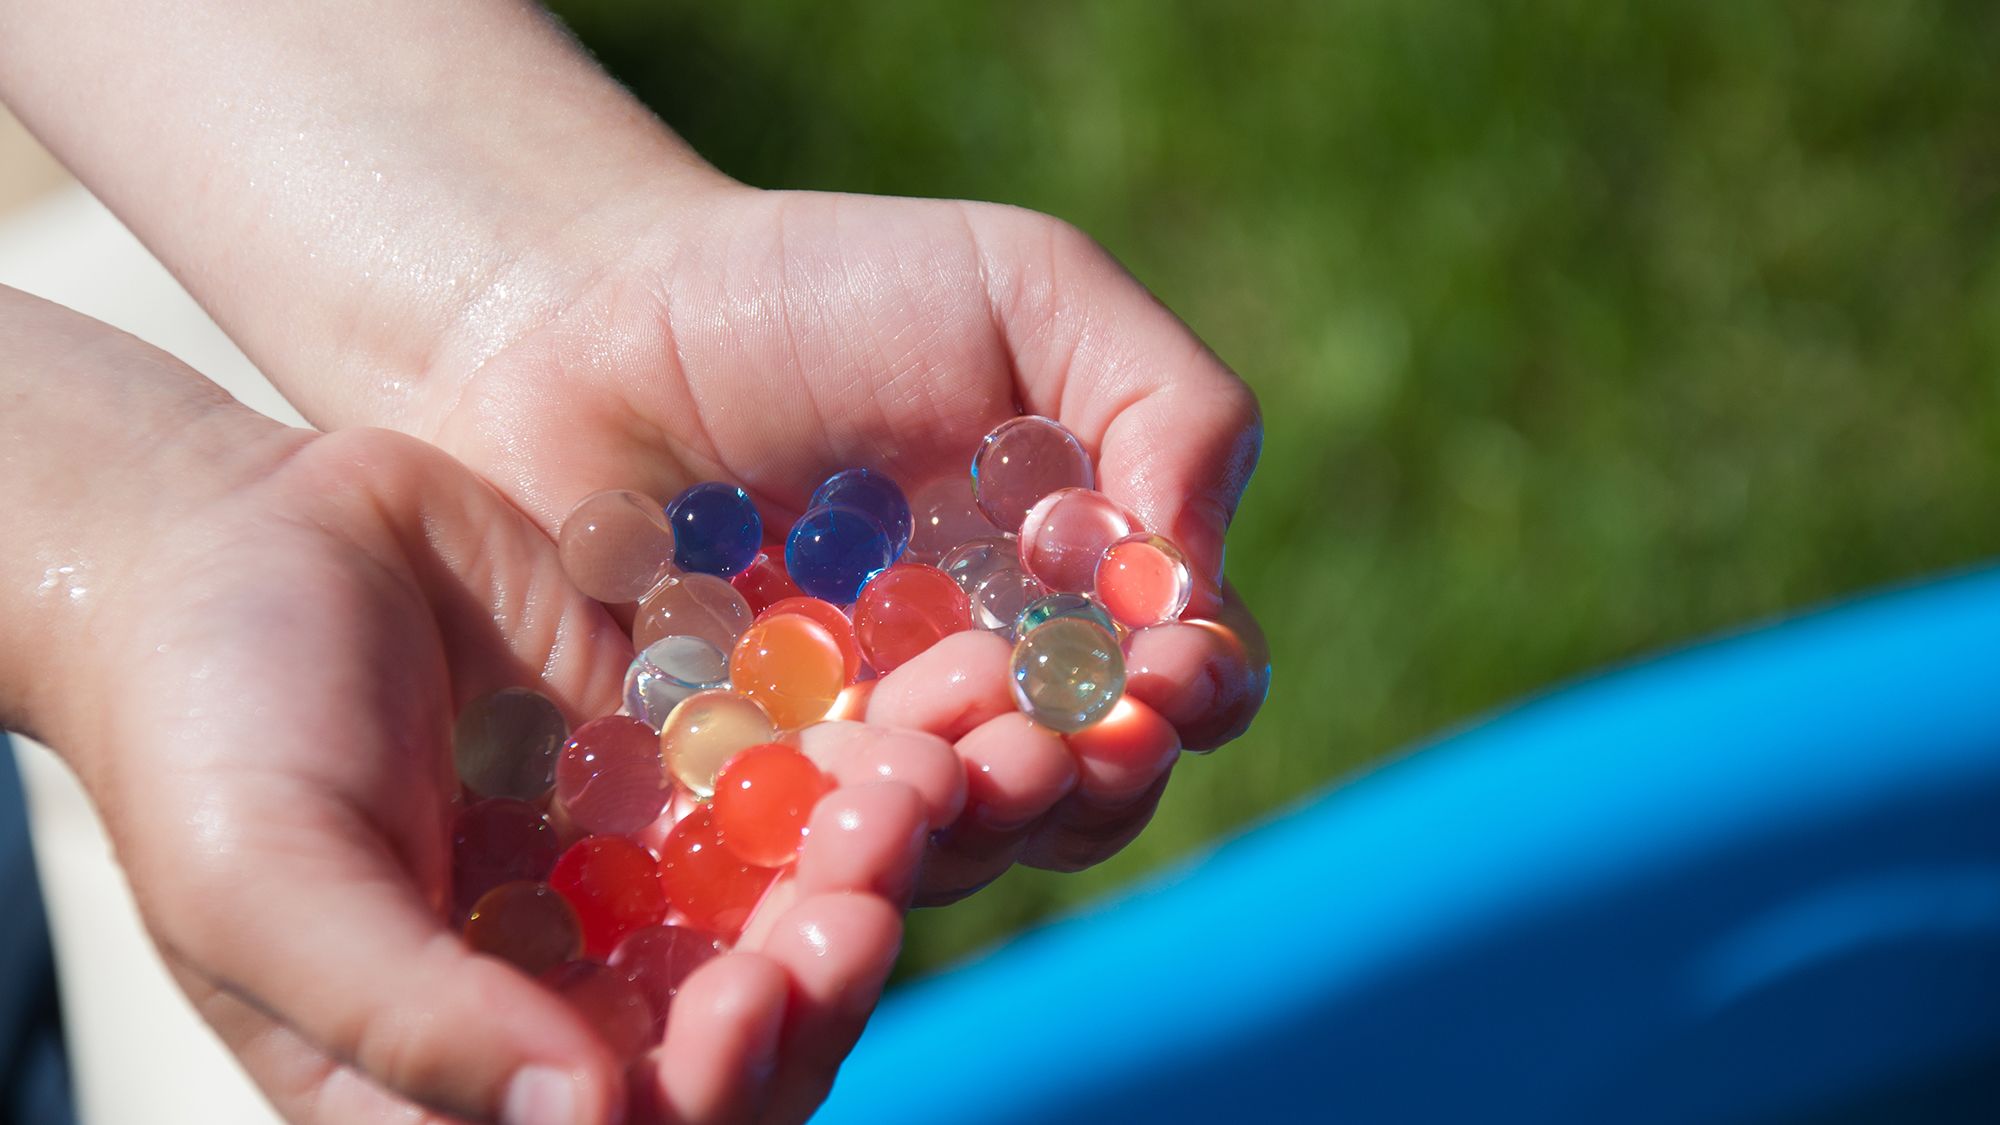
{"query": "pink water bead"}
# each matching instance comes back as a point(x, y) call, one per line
point(496, 842)
point(615, 1006)
point(658, 958)
point(616, 545)
point(945, 516)
point(692, 605)
point(905, 610)
point(1067, 533)
point(609, 778)
point(1023, 460)
point(1143, 580)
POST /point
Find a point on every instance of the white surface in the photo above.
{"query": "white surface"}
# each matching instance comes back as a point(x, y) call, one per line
point(138, 1051)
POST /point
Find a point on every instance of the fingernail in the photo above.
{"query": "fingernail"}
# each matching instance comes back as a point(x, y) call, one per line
point(541, 1095)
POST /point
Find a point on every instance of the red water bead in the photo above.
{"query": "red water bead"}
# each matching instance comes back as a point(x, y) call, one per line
point(613, 885)
point(1067, 532)
point(658, 958)
point(766, 582)
point(763, 798)
point(612, 1004)
point(905, 610)
point(527, 925)
point(498, 841)
point(1144, 580)
point(832, 619)
point(707, 884)
point(609, 779)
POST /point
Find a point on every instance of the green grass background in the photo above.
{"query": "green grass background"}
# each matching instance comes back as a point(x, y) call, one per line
point(1581, 328)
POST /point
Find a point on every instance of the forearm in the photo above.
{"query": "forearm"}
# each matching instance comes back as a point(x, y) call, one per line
point(361, 193)
point(103, 443)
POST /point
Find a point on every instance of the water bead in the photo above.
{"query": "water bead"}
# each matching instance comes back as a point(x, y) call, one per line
point(832, 619)
point(1001, 598)
point(708, 729)
point(763, 799)
point(1067, 532)
point(616, 545)
point(668, 671)
point(832, 551)
point(658, 958)
point(944, 516)
point(505, 744)
point(868, 491)
point(976, 560)
point(1143, 580)
point(527, 925)
point(614, 887)
point(1067, 674)
point(905, 610)
point(610, 1002)
point(1051, 606)
point(707, 884)
point(609, 780)
point(1021, 461)
point(790, 665)
point(498, 841)
point(716, 528)
point(765, 582)
point(692, 605)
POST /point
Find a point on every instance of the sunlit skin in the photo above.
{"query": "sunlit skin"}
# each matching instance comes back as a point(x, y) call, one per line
point(539, 278)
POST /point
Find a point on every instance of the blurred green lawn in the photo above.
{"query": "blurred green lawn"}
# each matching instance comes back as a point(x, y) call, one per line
point(1581, 329)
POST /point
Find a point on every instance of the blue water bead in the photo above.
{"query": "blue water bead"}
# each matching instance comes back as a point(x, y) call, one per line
point(875, 494)
point(833, 551)
point(716, 529)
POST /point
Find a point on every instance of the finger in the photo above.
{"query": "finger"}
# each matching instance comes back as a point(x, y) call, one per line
point(1082, 833)
point(721, 1046)
point(866, 838)
point(1205, 677)
point(1176, 433)
point(1121, 755)
point(966, 857)
point(857, 753)
point(1015, 770)
point(838, 950)
point(949, 688)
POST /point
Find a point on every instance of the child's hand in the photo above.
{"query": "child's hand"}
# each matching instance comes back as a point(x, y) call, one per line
point(254, 667)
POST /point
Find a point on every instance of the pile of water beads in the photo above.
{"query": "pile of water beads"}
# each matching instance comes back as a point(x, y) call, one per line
point(613, 859)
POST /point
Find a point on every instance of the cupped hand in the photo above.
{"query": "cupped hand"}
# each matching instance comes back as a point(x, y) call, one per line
point(273, 672)
point(771, 338)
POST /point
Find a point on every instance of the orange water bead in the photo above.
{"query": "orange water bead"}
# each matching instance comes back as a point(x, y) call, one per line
point(707, 729)
point(614, 887)
point(835, 621)
point(708, 886)
point(763, 799)
point(1143, 579)
point(791, 665)
point(905, 610)
point(527, 925)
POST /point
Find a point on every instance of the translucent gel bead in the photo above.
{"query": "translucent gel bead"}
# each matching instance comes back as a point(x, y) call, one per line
point(609, 780)
point(1051, 606)
point(1065, 535)
point(763, 799)
point(505, 744)
point(707, 730)
point(1067, 674)
point(866, 490)
point(976, 560)
point(657, 959)
point(832, 619)
point(1001, 597)
point(716, 528)
point(527, 925)
point(616, 545)
point(1143, 580)
point(692, 605)
point(790, 665)
point(708, 886)
point(905, 610)
point(832, 551)
point(668, 671)
point(614, 887)
point(944, 516)
point(1023, 460)
point(615, 1007)
point(498, 841)
point(765, 582)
